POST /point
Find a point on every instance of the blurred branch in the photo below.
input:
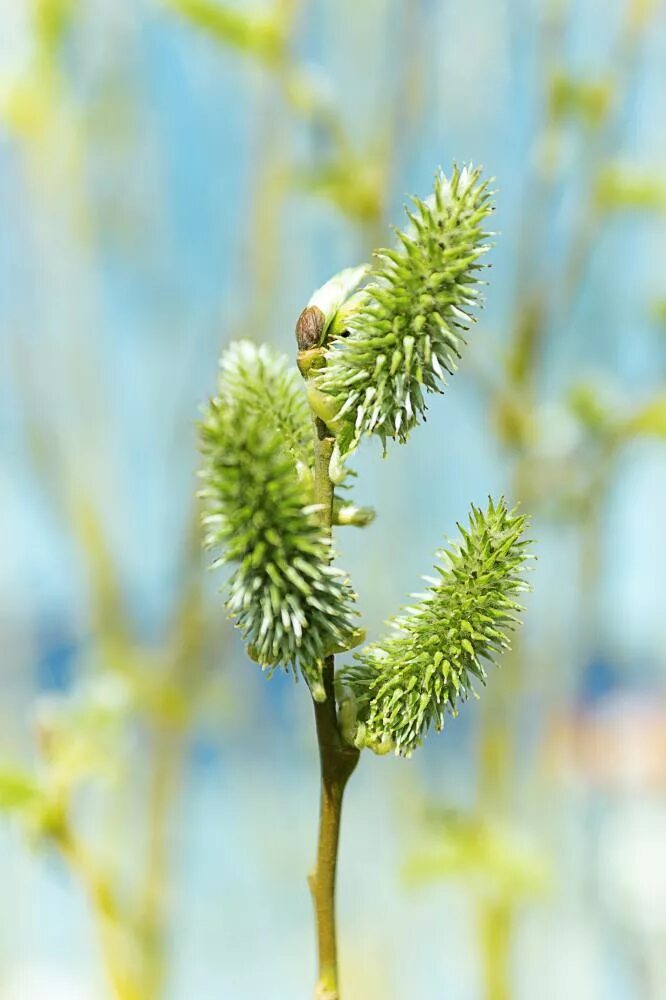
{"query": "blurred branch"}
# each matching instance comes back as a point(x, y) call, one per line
point(117, 946)
point(268, 37)
point(592, 107)
point(596, 105)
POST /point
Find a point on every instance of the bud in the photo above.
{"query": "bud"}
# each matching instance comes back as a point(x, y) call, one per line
point(310, 328)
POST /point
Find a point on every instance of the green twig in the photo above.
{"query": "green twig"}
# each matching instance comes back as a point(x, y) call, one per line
point(337, 763)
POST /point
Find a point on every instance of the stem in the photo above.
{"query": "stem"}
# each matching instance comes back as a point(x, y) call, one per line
point(115, 946)
point(496, 927)
point(337, 762)
point(153, 908)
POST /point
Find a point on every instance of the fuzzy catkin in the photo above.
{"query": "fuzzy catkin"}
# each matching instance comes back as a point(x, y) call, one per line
point(405, 330)
point(405, 683)
point(289, 603)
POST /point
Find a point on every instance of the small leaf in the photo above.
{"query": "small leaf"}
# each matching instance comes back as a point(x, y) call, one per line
point(586, 100)
point(622, 188)
point(500, 864)
point(649, 419)
point(351, 183)
point(19, 790)
point(261, 35)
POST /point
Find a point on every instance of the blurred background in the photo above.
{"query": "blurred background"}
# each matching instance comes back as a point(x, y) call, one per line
point(178, 173)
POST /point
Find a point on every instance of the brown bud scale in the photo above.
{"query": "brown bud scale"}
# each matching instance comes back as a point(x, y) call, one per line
point(309, 328)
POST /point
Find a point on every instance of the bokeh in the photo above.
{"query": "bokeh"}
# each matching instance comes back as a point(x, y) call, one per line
point(175, 174)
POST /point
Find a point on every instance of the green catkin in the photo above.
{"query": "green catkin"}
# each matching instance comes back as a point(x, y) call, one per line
point(404, 332)
point(405, 683)
point(289, 603)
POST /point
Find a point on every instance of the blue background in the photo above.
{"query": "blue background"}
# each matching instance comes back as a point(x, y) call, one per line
point(156, 197)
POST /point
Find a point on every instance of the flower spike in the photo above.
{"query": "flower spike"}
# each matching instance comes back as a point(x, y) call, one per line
point(404, 332)
point(408, 681)
point(289, 603)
